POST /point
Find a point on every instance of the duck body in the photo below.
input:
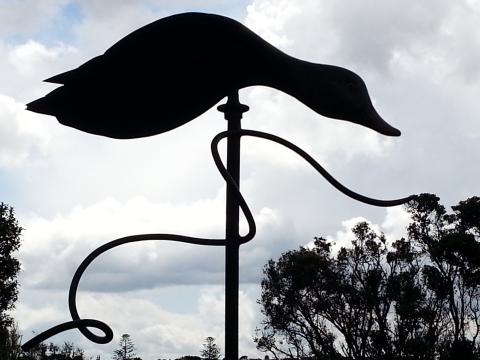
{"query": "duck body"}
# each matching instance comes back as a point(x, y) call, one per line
point(171, 71)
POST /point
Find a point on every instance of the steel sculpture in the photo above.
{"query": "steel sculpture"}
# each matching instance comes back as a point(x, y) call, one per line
point(168, 73)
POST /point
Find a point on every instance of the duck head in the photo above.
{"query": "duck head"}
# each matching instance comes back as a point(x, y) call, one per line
point(337, 93)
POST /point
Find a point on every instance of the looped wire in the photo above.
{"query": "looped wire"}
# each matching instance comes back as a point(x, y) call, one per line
point(84, 325)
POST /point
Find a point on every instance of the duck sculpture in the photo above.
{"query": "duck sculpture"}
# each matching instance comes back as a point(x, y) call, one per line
point(171, 71)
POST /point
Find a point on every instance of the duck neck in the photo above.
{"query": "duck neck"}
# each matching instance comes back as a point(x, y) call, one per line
point(294, 76)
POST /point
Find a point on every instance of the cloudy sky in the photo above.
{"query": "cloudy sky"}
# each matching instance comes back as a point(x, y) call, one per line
point(74, 191)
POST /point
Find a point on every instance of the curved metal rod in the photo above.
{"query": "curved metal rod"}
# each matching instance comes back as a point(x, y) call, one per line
point(84, 324)
point(171, 237)
point(69, 326)
point(72, 294)
point(316, 166)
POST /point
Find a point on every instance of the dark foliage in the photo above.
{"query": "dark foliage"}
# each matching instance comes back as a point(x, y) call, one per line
point(10, 233)
point(10, 343)
point(210, 351)
point(51, 351)
point(417, 298)
point(126, 350)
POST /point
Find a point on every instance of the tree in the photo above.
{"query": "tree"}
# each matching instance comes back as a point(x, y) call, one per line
point(43, 351)
point(126, 350)
point(210, 351)
point(417, 298)
point(78, 354)
point(53, 349)
point(452, 243)
point(67, 349)
point(10, 343)
point(10, 233)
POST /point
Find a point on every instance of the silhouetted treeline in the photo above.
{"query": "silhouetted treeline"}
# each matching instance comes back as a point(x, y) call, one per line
point(51, 351)
point(10, 349)
point(412, 298)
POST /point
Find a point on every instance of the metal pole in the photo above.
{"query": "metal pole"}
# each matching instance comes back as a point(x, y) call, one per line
point(233, 111)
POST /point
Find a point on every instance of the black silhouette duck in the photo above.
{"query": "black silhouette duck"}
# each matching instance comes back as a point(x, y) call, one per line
point(169, 72)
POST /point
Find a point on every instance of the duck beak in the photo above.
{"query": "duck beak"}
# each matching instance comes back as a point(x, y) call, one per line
point(375, 122)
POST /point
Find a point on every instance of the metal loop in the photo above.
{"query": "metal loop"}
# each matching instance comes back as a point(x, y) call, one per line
point(84, 325)
point(321, 170)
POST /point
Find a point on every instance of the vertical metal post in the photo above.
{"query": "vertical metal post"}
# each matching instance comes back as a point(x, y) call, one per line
point(233, 111)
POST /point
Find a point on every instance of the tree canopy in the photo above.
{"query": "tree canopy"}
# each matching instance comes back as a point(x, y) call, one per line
point(10, 233)
point(413, 298)
point(126, 350)
point(210, 351)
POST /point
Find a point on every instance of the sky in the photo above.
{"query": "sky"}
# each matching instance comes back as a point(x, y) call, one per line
point(74, 191)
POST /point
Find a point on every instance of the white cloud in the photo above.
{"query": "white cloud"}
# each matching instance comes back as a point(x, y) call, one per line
point(395, 223)
point(66, 239)
point(156, 331)
point(393, 226)
point(343, 238)
point(30, 316)
point(53, 248)
point(25, 17)
point(22, 137)
point(105, 22)
point(268, 20)
point(26, 64)
point(29, 57)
